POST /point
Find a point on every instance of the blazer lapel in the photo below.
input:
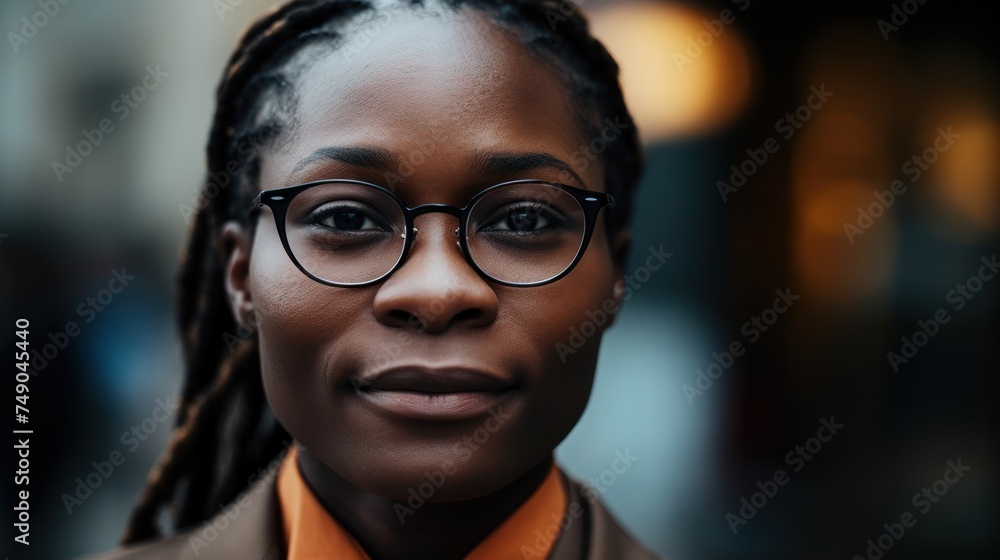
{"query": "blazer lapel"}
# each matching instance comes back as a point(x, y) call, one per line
point(250, 527)
point(594, 534)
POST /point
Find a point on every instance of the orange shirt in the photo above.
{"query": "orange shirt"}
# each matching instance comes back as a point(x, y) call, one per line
point(311, 533)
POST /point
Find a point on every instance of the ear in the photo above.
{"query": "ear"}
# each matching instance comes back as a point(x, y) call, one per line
point(620, 247)
point(236, 246)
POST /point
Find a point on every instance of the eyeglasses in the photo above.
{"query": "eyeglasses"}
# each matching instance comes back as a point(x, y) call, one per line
point(348, 233)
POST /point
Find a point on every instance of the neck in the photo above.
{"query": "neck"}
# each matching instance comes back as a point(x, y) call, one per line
point(448, 530)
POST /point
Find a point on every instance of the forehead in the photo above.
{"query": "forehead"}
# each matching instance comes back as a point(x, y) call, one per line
point(449, 83)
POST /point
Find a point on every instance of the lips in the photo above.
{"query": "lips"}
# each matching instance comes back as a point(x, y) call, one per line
point(436, 394)
point(435, 380)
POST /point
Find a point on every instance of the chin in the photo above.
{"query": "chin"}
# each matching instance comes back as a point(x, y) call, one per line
point(447, 472)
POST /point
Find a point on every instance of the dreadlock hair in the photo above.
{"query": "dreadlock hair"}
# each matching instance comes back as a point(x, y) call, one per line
point(225, 431)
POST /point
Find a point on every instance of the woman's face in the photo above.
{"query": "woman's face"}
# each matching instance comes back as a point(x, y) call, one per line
point(434, 374)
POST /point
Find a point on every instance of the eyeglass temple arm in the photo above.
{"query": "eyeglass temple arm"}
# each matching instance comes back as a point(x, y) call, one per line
point(255, 205)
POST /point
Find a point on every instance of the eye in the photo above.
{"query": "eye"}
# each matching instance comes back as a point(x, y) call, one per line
point(523, 217)
point(349, 216)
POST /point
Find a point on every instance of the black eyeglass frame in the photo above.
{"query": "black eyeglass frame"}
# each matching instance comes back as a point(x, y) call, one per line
point(279, 199)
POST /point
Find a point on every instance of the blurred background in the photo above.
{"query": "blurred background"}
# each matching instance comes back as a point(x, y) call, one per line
point(845, 154)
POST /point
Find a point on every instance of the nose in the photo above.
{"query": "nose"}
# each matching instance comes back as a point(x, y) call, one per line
point(435, 289)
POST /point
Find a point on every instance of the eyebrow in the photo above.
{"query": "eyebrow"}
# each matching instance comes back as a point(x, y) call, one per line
point(509, 163)
point(484, 163)
point(374, 158)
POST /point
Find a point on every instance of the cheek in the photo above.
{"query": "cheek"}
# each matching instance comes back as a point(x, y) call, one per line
point(572, 313)
point(299, 323)
point(566, 320)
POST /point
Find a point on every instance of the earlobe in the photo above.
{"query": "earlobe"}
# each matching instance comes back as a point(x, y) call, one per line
point(620, 247)
point(236, 247)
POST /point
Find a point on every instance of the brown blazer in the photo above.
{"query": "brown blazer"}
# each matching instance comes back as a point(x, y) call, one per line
point(253, 531)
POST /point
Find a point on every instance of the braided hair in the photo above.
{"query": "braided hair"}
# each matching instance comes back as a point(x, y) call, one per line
point(225, 431)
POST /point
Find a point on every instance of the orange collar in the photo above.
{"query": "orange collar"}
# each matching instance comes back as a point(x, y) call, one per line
point(311, 532)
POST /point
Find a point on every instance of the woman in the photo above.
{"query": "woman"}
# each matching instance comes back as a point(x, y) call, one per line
point(409, 206)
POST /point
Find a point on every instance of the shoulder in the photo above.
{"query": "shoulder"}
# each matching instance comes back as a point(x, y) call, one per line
point(172, 547)
point(249, 527)
point(591, 532)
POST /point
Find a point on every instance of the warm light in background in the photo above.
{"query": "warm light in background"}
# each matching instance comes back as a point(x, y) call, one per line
point(844, 239)
point(684, 71)
point(966, 180)
point(838, 163)
point(968, 177)
point(832, 271)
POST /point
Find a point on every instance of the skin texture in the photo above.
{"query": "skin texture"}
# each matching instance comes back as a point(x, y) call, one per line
point(435, 92)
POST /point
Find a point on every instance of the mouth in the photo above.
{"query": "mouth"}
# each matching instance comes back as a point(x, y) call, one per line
point(435, 394)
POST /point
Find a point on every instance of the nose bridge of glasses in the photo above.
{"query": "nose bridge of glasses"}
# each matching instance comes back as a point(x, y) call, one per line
point(432, 209)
